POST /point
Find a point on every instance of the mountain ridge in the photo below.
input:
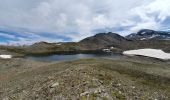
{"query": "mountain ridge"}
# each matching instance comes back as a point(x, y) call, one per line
point(148, 34)
point(91, 44)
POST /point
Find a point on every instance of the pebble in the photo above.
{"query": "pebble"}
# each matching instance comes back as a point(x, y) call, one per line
point(85, 93)
point(119, 84)
point(54, 85)
point(133, 87)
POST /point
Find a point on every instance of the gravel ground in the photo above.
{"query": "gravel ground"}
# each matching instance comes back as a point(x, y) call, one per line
point(87, 79)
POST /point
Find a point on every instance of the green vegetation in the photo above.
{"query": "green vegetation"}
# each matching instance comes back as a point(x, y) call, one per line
point(118, 95)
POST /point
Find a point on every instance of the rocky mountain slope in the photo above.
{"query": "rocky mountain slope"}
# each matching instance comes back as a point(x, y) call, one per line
point(147, 34)
point(98, 42)
point(105, 40)
point(90, 44)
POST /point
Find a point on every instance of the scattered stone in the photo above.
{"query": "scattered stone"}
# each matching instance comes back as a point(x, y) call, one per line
point(119, 84)
point(54, 85)
point(133, 87)
point(98, 91)
point(85, 93)
point(72, 84)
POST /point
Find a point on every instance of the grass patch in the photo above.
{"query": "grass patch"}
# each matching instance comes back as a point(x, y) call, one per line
point(118, 95)
point(105, 78)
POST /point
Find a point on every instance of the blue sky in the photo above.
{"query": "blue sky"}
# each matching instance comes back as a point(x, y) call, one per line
point(29, 21)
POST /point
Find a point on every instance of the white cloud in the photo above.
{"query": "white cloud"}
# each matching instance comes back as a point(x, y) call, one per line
point(30, 40)
point(79, 18)
point(151, 15)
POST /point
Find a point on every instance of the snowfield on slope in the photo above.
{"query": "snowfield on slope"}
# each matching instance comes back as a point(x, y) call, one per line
point(5, 56)
point(154, 53)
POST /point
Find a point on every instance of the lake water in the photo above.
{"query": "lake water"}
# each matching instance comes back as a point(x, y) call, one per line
point(73, 57)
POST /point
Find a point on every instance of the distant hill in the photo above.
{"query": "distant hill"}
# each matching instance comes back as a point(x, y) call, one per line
point(103, 40)
point(93, 44)
point(147, 34)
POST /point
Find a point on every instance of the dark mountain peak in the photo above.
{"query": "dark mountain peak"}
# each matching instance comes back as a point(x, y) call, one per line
point(152, 32)
point(104, 36)
point(147, 34)
point(103, 40)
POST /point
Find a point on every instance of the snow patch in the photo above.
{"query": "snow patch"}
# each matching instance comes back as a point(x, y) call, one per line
point(153, 36)
point(5, 56)
point(106, 50)
point(143, 39)
point(143, 33)
point(154, 53)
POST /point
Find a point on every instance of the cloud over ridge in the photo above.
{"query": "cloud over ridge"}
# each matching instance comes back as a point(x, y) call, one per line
point(76, 19)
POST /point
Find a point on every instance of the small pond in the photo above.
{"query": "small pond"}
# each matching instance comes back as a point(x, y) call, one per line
point(73, 57)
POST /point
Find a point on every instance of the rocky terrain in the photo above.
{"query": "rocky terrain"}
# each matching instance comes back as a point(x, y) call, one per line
point(104, 40)
point(125, 78)
point(147, 34)
point(128, 78)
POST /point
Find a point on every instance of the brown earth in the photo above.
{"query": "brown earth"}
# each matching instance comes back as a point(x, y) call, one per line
point(87, 79)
